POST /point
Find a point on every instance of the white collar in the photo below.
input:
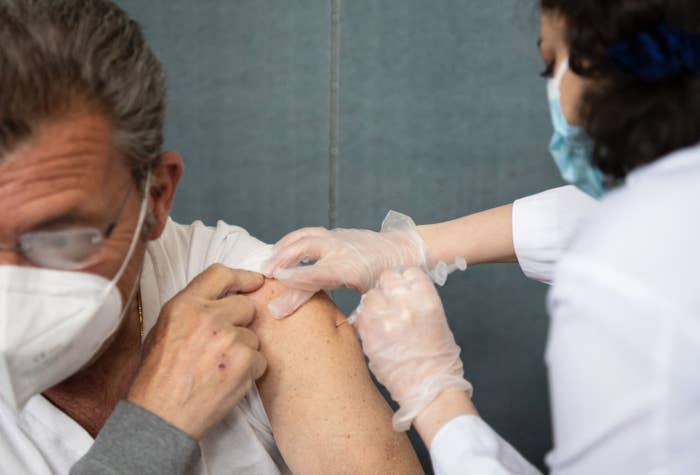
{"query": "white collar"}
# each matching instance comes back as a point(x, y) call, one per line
point(681, 160)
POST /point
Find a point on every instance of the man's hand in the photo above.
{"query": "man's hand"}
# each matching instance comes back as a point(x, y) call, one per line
point(200, 359)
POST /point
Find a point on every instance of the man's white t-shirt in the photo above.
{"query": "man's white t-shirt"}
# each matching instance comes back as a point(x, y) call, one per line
point(42, 440)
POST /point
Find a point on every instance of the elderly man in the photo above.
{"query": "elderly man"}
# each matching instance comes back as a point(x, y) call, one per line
point(90, 263)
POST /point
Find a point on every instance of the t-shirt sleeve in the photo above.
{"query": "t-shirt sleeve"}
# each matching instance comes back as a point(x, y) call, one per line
point(226, 244)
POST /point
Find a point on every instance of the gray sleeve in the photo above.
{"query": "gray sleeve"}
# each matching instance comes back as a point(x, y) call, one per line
point(136, 441)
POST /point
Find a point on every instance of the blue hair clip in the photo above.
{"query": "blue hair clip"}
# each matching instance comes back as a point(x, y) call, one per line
point(658, 53)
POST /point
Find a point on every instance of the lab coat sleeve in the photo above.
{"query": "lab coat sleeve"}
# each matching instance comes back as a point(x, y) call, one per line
point(467, 444)
point(543, 226)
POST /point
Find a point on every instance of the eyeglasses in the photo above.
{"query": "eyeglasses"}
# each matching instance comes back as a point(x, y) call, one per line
point(68, 249)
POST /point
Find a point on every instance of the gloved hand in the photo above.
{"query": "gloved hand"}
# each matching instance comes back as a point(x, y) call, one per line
point(349, 258)
point(410, 347)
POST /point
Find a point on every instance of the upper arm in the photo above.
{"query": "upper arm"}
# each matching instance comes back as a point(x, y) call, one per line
point(326, 413)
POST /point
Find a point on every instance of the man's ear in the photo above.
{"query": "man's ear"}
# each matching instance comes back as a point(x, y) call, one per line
point(166, 176)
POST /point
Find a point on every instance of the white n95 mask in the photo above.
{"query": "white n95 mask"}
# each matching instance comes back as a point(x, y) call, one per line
point(52, 323)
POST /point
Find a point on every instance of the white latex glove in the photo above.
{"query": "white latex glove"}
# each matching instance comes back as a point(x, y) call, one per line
point(408, 341)
point(352, 258)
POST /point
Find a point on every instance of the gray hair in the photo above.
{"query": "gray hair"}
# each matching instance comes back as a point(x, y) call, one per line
point(59, 54)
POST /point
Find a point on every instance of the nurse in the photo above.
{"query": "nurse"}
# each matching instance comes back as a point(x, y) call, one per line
point(621, 249)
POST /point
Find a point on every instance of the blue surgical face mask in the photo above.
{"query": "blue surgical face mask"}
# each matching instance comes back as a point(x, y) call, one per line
point(571, 148)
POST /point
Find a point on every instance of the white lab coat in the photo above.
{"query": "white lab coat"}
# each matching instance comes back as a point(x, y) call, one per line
point(624, 340)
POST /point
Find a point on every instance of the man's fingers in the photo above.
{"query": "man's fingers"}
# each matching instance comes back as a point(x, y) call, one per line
point(237, 310)
point(248, 338)
point(259, 365)
point(219, 280)
point(289, 302)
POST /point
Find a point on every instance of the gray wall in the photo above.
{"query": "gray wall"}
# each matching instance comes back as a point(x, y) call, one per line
point(294, 113)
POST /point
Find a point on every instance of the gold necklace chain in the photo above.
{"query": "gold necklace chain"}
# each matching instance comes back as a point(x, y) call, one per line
point(139, 306)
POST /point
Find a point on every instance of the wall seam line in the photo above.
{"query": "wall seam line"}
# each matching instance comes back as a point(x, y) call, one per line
point(333, 119)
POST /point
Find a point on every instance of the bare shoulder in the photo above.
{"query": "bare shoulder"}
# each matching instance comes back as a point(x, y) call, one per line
point(319, 317)
point(307, 348)
point(322, 403)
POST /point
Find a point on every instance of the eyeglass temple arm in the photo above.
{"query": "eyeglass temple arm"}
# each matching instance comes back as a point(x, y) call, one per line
point(117, 216)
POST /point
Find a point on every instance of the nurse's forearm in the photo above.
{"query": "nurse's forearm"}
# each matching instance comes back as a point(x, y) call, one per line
point(480, 238)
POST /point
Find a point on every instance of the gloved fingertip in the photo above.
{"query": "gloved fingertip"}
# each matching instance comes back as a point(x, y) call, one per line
point(277, 310)
point(268, 268)
point(352, 319)
point(282, 274)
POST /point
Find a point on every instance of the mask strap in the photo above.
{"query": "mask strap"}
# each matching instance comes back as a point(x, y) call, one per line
point(127, 304)
point(137, 235)
point(563, 68)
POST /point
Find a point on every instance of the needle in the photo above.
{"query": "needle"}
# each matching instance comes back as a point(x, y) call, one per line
point(350, 320)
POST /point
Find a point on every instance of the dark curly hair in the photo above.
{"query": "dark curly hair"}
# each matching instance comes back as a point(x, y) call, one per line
point(631, 119)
